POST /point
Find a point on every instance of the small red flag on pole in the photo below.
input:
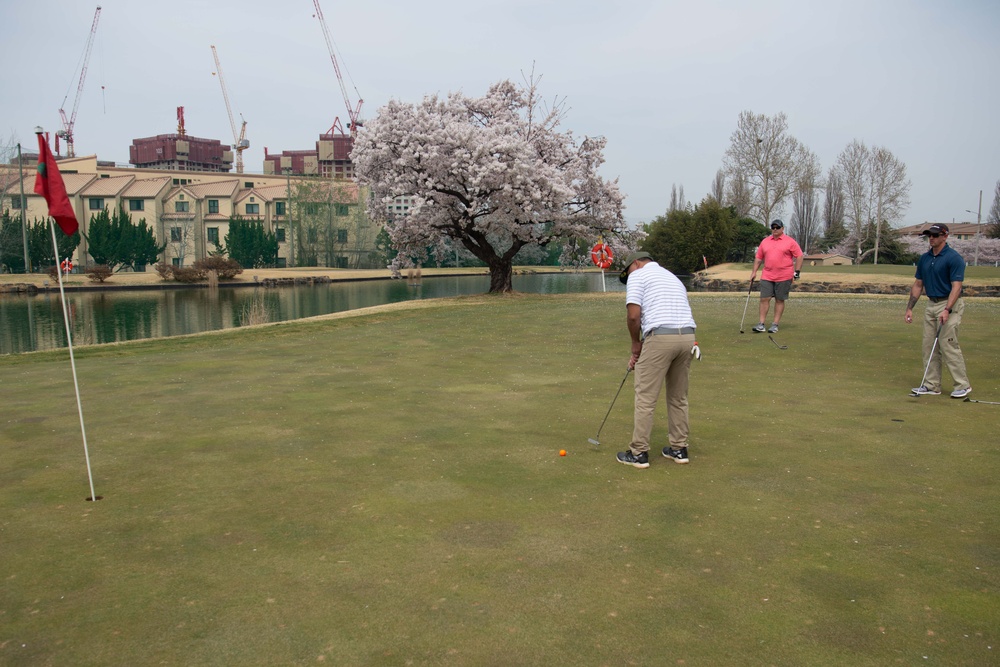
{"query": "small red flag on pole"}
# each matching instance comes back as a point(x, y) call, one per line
point(49, 184)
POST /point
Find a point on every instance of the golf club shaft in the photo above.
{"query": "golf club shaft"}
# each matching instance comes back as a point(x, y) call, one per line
point(931, 355)
point(601, 427)
point(743, 319)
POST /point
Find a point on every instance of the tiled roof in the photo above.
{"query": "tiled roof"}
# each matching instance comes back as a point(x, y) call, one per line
point(216, 189)
point(146, 187)
point(107, 187)
point(75, 183)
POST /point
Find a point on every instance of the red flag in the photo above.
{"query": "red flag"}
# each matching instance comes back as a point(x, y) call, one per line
point(49, 184)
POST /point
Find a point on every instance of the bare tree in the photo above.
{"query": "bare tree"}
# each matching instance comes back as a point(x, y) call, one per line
point(890, 189)
point(805, 223)
point(677, 202)
point(762, 150)
point(876, 191)
point(833, 208)
point(738, 195)
point(993, 217)
point(718, 191)
point(853, 166)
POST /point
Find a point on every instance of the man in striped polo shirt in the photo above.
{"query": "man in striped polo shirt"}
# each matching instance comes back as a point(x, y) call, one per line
point(662, 329)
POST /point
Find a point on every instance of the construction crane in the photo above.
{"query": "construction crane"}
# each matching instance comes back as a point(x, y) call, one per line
point(240, 142)
point(354, 114)
point(67, 131)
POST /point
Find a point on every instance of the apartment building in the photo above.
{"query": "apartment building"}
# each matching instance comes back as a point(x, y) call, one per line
point(317, 221)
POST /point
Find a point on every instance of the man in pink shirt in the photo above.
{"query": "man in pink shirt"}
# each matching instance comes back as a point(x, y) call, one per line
point(782, 259)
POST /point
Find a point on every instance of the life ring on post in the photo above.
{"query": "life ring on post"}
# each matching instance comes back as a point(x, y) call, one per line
point(601, 255)
point(67, 265)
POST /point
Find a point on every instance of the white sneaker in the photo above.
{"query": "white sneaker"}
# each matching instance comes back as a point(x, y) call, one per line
point(924, 391)
point(961, 393)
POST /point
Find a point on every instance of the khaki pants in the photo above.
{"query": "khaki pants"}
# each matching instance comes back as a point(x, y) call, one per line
point(666, 357)
point(947, 345)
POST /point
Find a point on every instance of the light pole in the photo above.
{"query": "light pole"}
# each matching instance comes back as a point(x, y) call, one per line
point(24, 207)
point(288, 214)
point(979, 220)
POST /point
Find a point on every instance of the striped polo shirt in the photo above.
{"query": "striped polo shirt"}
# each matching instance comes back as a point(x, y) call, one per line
point(661, 296)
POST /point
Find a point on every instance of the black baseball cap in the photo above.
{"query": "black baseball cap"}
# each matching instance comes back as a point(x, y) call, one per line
point(775, 224)
point(623, 276)
point(936, 228)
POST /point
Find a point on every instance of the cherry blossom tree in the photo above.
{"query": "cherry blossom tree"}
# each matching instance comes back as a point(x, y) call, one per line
point(492, 173)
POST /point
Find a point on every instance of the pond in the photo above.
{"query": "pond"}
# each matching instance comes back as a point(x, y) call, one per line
point(29, 323)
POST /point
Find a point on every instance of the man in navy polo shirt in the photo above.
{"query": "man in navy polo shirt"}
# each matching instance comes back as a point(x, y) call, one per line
point(940, 273)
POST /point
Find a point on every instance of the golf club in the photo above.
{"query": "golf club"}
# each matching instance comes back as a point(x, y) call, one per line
point(972, 400)
point(742, 319)
point(780, 347)
point(596, 440)
point(929, 357)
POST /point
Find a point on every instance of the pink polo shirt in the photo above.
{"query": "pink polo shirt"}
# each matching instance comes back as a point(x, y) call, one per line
point(779, 257)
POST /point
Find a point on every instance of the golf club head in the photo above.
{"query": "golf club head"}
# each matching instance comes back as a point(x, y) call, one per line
point(967, 400)
point(780, 347)
point(593, 442)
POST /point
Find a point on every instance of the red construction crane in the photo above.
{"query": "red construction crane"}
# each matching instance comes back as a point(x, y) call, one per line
point(353, 113)
point(240, 142)
point(67, 131)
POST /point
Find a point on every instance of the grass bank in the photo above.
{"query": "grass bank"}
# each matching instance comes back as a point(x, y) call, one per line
point(385, 489)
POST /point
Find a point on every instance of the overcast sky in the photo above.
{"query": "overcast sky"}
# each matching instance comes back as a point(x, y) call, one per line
point(663, 81)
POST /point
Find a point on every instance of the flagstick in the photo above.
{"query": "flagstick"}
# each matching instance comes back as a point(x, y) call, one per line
point(72, 361)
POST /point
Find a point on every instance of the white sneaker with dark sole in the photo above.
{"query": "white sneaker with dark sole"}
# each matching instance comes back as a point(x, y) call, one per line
point(924, 391)
point(961, 393)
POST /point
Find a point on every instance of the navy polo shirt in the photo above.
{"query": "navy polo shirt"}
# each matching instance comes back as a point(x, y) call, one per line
point(938, 273)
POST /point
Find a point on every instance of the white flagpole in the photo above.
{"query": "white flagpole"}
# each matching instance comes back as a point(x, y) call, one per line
point(72, 361)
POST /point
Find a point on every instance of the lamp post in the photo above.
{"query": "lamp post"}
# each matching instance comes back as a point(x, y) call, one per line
point(24, 206)
point(288, 214)
point(979, 231)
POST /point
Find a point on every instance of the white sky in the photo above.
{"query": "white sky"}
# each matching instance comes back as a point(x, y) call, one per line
point(663, 81)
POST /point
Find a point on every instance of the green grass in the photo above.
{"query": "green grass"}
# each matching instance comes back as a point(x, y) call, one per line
point(386, 489)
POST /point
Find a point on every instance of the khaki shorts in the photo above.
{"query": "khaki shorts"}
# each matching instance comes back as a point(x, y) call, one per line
point(778, 290)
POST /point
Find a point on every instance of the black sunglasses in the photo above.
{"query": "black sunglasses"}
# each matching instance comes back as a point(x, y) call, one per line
point(775, 226)
point(934, 236)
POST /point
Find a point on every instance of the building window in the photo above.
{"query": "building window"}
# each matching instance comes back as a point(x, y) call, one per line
point(16, 202)
point(279, 233)
point(341, 262)
point(281, 263)
point(136, 205)
point(279, 208)
point(253, 209)
point(248, 184)
point(181, 206)
point(175, 234)
point(176, 261)
point(311, 236)
point(341, 236)
point(213, 206)
point(213, 235)
point(96, 204)
point(341, 209)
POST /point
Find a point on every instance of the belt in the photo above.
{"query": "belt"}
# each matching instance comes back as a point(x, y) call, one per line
point(937, 299)
point(676, 331)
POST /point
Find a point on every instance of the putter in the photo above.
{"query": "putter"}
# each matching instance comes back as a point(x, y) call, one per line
point(749, 292)
point(929, 357)
point(972, 400)
point(596, 440)
point(780, 347)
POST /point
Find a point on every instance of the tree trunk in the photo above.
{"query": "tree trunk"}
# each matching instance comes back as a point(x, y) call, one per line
point(501, 275)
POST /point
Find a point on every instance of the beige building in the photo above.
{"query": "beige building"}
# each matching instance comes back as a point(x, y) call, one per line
point(956, 230)
point(317, 221)
point(827, 259)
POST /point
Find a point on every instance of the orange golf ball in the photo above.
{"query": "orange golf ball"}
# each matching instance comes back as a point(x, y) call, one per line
point(562, 452)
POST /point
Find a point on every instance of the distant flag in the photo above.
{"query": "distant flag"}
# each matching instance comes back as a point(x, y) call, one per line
point(49, 184)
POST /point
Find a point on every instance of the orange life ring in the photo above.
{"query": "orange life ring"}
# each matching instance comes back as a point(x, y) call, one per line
point(601, 255)
point(67, 265)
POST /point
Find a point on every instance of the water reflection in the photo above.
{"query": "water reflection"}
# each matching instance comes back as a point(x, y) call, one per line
point(35, 322)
